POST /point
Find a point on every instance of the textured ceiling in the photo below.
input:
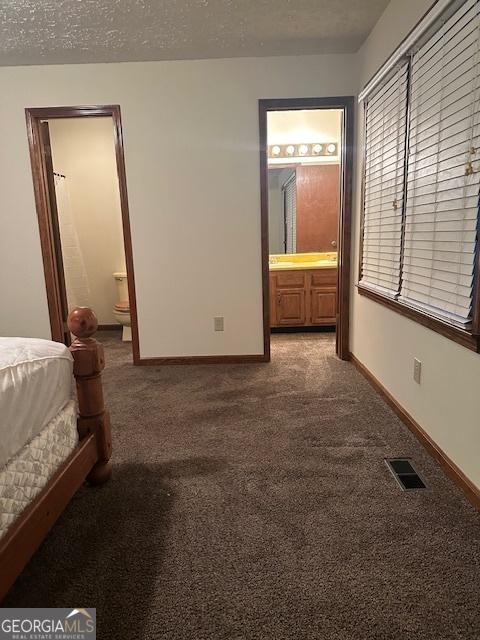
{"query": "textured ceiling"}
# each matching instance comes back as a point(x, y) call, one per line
point(66, 31)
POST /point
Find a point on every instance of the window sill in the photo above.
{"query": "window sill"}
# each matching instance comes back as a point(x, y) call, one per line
point(459, 336)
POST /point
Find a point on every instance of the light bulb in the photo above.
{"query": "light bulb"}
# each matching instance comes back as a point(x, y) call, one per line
point(276, 150)
point(317, 148)
point(331, 148)
point(290, 150)
point(303, 149)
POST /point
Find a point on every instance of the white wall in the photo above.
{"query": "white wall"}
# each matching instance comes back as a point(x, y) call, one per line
point(447, 403)
point(83, 150)
point(191, 145)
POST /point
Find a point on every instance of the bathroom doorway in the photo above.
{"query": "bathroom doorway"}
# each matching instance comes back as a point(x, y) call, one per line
point(81, 199)
point(306, 158)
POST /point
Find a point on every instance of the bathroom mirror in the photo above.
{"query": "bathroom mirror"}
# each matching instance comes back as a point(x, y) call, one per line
point(303, 206)
point(303, 180)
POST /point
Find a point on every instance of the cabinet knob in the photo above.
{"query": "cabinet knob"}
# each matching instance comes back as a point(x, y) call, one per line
point(334, 243)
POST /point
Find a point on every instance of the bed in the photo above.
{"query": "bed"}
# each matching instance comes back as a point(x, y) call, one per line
point(54, 435)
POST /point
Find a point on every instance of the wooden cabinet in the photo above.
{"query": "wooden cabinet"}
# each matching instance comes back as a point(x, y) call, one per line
point(303, 297)
point(289, 298)
point(323, 303)
point(323, 296)
point(290, 307)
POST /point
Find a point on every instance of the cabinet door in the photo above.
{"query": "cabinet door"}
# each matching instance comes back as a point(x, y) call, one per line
point(290, 307)
point(323, 305)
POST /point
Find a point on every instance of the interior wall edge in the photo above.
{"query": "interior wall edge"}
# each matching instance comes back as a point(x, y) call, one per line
point(453, 471)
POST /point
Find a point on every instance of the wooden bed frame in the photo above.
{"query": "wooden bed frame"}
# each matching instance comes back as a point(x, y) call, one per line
point(89, 461)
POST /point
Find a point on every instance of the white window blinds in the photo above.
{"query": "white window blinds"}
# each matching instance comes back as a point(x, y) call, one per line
point(441, 214)
point(290, 195)
point(385, 115)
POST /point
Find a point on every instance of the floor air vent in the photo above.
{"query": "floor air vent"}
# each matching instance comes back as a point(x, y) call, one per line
point(404, 473)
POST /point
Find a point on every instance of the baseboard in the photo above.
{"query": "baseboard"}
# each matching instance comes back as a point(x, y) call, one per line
point(109, 327)
point(247, 359)
point(471, 491)
point(319, 328)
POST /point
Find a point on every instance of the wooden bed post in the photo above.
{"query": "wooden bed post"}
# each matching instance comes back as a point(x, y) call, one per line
point(89, 363)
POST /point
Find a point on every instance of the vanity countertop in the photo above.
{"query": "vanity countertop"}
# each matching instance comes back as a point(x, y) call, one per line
point(297, 261)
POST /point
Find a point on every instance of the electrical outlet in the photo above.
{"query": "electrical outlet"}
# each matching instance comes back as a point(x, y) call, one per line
point(417, 370)
point(218, 323)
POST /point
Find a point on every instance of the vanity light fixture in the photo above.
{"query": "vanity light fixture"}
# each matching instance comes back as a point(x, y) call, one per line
point(302, 149)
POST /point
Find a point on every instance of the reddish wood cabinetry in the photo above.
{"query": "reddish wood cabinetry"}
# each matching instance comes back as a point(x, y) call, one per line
point(323, 306)
point(303, 297)
point(290, 306)
point(290, 298)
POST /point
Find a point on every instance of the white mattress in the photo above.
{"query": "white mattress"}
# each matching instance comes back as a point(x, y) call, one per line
point(25, 475)
point(35, 384)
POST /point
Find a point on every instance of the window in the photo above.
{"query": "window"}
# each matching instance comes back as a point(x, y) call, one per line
point(385, 118)
point(422, 178)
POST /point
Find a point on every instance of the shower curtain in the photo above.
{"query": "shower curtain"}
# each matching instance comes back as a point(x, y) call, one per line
point(76, 279)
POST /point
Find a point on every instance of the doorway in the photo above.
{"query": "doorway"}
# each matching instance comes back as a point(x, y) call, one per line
point(70, 208)
point(319, 295)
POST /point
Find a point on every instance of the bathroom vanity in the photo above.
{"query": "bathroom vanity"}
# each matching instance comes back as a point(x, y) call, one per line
point(303, 289)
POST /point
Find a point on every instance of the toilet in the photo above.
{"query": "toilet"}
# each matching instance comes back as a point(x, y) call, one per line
point(121, 310)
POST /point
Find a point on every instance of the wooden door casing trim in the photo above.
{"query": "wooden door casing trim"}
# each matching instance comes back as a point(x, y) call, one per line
point(34, 117)
point(64, 335)
point(347, 105)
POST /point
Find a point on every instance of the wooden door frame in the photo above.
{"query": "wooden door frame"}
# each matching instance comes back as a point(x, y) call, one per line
point(347, 105)
point(34, 116)
point(55, 226)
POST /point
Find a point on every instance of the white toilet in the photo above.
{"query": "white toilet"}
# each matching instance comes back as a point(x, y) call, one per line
point(121, 310)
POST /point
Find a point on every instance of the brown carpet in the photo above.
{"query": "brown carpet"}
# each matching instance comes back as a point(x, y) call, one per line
point(252, 502)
